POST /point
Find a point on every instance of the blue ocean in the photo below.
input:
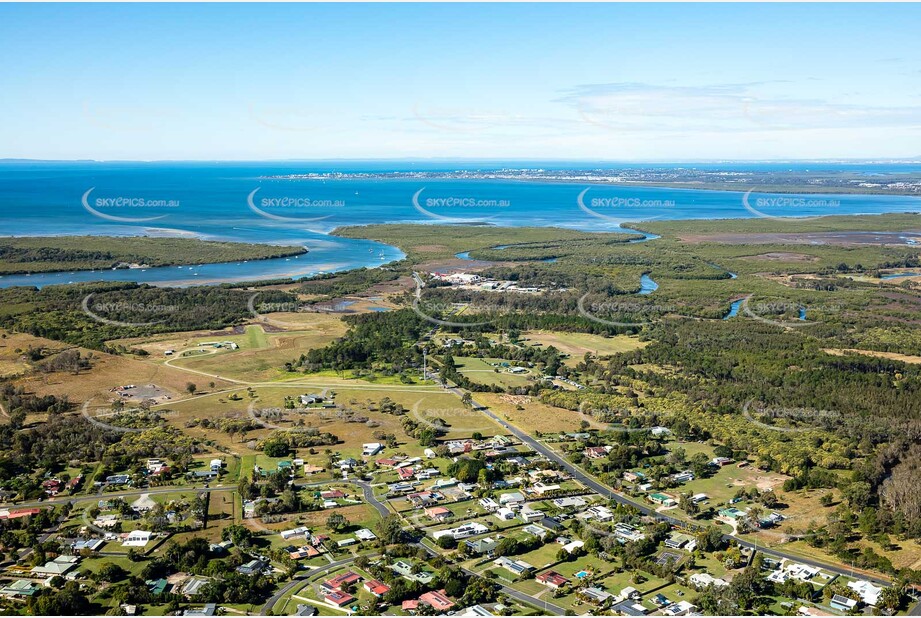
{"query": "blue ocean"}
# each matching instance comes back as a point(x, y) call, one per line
point(259, 202)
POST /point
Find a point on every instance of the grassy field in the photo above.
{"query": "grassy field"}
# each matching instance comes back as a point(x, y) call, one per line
point(578, 344)
point(534, 415)
point(422, 403)
point(480, 370)
point(108, 371)
point(261, 356)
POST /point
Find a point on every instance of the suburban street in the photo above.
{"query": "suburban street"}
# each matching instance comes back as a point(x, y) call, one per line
point(593, 484)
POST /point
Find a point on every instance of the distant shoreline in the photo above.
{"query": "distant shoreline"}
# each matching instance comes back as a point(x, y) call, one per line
point(129, 252)
point(694, 180)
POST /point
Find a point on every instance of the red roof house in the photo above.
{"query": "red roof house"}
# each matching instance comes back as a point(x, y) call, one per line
point(439, 513)
point(406, 473)
point(340, 580)
point(552, 579)
point(339, 598)
point(377, 588)
point(437, 599)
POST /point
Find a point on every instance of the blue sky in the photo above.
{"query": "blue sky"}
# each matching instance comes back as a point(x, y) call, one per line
point(596, 81)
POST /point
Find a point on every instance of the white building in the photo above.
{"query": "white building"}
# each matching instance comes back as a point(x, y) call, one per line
point(462, 532)
point(138, 538)
point(365, 535)
point(869, 593)
point(705, 580)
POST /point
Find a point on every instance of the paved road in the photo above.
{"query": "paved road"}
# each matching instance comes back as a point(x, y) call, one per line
point(590, 482)
point(556, 610)
point(366, 490)
point(300, 579)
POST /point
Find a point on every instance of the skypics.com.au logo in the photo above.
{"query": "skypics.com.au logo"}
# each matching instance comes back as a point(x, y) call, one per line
point(132, 420)
point(444, 313)
point(617, 208)
point(106, 207)
point(458, 209)
point(632, 314)
point(793, 418)
point(443, 420)
point(296, 419)
point(785, 313)
point(126, 314)
point(616, 420)
point(291, 204)
point(789, 207)
point(279, 307)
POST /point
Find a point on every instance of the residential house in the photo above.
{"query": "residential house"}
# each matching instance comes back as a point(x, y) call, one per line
point(569, 502)
point(439, 513)
point(364, 534)
point(462, 532)
point(482, 546)
point(336, 583)
point(598, 513)
point(339, 598)
point(869, 593)
point(517, 567)
point(438, 600)
point(626, 532)
point(842, 604)
point(529, 514)
point(489, 504)
point(19, 589)
point(552, 579)
point(595, 595)
point(377, 588)
point(681, 608)
point(630, 608)
point(252, 567)
point(512, 500)
point(678, 540)
point(705, 580)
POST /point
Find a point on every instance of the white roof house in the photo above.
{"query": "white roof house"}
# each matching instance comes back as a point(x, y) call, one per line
point(705, 580)
point(513, 497)
point(295, 532)
point(569, 502)
point(572, 546)
point(462, 532)
point(869, 593)
point(138, 538)
point(365, 535)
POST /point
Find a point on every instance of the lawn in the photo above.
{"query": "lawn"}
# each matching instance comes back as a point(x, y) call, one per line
point(422, 403)
point(542, 557)
point(481, 371)
point(534, 415)
point(576, 345)
point(261, 356)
